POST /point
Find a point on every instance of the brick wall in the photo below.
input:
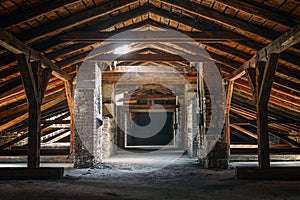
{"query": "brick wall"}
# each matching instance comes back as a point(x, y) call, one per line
point(108, 138)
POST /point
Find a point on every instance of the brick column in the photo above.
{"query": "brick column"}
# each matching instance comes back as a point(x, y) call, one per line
point(87, 116)
point(213, 149)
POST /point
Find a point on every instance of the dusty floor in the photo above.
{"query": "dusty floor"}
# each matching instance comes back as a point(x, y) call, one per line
point(127, 179)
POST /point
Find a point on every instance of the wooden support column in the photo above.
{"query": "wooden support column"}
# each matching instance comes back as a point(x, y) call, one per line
point(251, 75)
point(265, 73)
point(35, 81)
point(227, 114)
point(69, 93)
point(261, 121)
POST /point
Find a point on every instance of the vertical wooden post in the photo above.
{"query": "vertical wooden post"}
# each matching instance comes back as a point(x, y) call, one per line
point(261, 120)
point(70, 99)
point(227, 114)
point(265, 73)
point(34, 130)
point(35, 82)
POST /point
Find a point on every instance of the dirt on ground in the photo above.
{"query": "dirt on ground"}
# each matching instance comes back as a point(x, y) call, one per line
point(184, 179)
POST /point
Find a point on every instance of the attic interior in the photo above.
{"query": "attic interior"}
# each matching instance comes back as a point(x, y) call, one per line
point(80, 80)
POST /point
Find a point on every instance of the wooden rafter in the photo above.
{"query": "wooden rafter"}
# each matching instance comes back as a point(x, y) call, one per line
point(74, 20)
point(16, 46)
point(35, 12)
point(211, 15)
point(279, 45)
point(258, 10)
point(23, 117)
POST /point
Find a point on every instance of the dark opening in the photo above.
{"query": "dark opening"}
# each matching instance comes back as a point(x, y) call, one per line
point(163, 137)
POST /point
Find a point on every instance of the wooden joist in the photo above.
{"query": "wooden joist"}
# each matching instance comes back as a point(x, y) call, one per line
point(16, 46)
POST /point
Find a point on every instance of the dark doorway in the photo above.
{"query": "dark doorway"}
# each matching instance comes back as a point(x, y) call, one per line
point(162, 138)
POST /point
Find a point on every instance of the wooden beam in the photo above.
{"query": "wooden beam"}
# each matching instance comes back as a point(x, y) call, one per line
point(279, 45)
point(284, 152)
point(272, 132)
point(14, 110)
point(152, 36)
point(36, 11)
point(28, 77)
point(45, 125)
point(53, 134)
point(161, 97)
point(66, 134)
point(31, 81)
point(172, 16)
point(13, 141)
point(281, 86)
point(70, 98)
point(191, 22)
point(23, 117)
point(102, 25)
point(239, 121)
point(45, 173)
point(34, 133)
point(46, 152)
point(250, 72)
point(149, 57)
point(274, 173)
point(229, 92)
point(275, 112)
point(74, 20)
point(18, 95)
point(16, 46)
point(241, 136)
point(147, 107)
point(252, 135)
point(267, 79)
point(262, 121)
